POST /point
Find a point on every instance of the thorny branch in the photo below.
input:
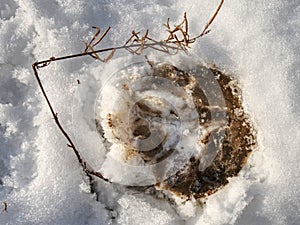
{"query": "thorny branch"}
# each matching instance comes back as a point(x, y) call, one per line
point(178, 39)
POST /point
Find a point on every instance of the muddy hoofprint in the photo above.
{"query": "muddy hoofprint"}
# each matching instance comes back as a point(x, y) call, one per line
point(188, 128)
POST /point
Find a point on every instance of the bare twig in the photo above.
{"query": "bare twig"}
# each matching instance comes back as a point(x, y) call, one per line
point(205, 30)
point(70, 143)
point(178, 39)
point(93, 38)
point(89, 47)
point(101, 38)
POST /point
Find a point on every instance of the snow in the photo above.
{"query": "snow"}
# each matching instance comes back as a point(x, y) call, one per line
point(130, 87)
point(40, 178)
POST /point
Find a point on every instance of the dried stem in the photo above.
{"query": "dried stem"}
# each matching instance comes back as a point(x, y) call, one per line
point(205, 30)
point(70, 143)
point(177, 40)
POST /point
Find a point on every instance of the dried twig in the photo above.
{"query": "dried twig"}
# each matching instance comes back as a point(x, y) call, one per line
point(205, 30)
point(70, 143)
point(178, 40)
point(89, 47)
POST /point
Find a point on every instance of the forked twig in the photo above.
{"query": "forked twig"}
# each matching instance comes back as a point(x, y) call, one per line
point(178, 39)
point(89, 47)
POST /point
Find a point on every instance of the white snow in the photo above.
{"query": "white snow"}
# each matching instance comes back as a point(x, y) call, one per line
point(40, 178)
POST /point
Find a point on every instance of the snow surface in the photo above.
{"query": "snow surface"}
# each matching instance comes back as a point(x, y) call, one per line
point(40, 179)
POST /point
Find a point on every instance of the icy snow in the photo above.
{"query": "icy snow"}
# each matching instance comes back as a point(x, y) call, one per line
point(40, 179)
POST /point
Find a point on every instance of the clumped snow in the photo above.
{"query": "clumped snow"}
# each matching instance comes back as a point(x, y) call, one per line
point(40, 178)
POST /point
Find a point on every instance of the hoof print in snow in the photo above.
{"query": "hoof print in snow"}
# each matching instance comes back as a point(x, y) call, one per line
point(183, 131)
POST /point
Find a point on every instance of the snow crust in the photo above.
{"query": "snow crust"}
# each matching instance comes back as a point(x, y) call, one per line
point(40, 179)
